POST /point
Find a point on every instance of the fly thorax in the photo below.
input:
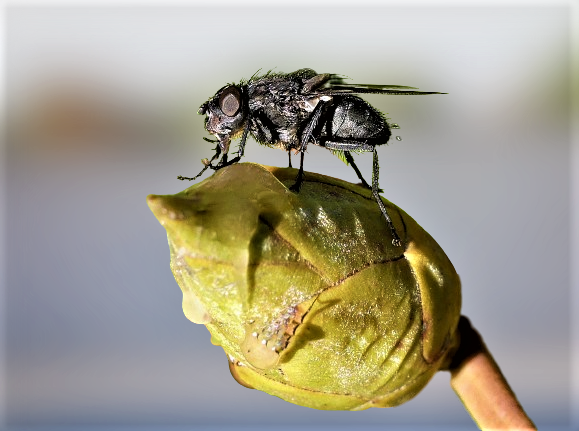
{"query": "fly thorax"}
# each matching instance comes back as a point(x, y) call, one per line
point(309, 104)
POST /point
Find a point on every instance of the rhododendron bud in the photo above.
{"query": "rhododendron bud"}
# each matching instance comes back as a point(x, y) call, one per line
point(305, 292)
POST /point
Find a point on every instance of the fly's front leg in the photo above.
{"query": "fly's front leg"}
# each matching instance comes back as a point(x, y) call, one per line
point(222, 163)
point(224, 145)
point(241, 145)
point(206, 162)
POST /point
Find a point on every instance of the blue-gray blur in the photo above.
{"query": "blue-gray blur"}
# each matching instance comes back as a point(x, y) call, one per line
point(102, 111)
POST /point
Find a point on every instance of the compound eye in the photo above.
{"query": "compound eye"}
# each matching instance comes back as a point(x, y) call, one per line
point(230, 101)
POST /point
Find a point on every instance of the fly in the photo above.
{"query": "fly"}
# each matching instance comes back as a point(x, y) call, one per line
point(289, 111)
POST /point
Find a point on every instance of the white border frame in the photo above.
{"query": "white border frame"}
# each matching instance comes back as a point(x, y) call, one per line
point(574, 210)
point(574, 135)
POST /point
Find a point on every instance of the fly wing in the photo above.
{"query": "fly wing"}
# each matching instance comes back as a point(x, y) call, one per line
point(383, 90)
point(335, 85)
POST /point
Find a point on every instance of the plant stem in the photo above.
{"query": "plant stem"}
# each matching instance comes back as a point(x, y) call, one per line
point(482, 388)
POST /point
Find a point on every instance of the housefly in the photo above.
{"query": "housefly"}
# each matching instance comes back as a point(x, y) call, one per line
point(289, 111)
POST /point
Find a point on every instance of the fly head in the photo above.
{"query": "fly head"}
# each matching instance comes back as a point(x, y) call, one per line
point(225, 114)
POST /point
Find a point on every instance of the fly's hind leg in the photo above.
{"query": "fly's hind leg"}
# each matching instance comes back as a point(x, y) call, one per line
point(347, 146)
point(375, 192)
point(350, 160)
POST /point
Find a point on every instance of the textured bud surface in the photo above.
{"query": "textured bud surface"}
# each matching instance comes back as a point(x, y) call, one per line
point(305, 292)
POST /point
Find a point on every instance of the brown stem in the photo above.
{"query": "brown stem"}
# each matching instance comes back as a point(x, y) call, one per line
point(482, 388)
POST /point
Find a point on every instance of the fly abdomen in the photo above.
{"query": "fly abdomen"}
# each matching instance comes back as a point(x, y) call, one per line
point(350, 117)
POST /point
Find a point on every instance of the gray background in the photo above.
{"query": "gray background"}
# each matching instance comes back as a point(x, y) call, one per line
point(102, 111)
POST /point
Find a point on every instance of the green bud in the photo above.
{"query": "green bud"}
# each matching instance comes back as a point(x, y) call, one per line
point(305, 292)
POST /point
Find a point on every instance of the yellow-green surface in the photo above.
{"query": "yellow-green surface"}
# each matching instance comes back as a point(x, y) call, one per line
point(305, 292)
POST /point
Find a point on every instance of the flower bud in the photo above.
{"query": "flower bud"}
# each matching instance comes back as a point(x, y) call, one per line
point(305, 291)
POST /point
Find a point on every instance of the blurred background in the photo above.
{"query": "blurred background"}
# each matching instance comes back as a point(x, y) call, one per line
point(101, 111)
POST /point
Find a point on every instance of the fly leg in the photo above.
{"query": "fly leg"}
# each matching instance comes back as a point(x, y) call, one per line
point(241, 150)
point(375, 192)
point(306, 135)
point(206, 162)
point(300, 178)
point(289, 156)
point(218, 150)
point(362, 146)
point(350, 160)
